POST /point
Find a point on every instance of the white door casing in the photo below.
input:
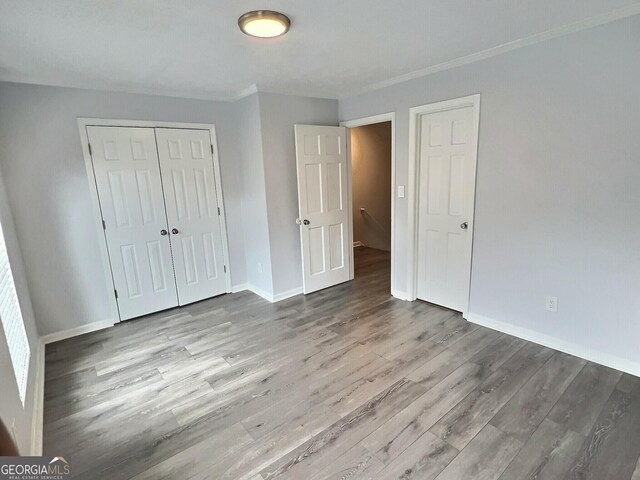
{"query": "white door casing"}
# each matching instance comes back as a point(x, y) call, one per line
point(321, 158)
point(446, 156)
point(127, 176)
point(193, 214)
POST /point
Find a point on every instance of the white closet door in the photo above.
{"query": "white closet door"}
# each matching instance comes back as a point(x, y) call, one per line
point(186, 163)
point(322, 198)
point(446, 197)
point(127, 174)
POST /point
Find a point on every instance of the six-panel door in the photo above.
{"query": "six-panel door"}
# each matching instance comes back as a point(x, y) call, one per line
point(446, 191)
point(322, 198)
point(127, 175)
point(188, 177)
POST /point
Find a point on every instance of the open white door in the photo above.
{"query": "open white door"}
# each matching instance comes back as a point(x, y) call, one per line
point(321, 156)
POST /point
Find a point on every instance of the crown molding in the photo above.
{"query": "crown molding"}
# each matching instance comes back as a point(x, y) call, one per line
point(585, 24)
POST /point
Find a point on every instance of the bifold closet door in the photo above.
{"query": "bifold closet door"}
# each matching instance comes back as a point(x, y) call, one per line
point(127, 174)
point(188, 177)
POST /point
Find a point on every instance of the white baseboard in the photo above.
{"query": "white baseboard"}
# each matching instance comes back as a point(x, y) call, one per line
point(261, 293)
point(239, 288)
point(274, 298)
point(358, 244)
point(37, 421)
point(402, 295)
point(602, 358)
point(74, 332)
point(288, 294)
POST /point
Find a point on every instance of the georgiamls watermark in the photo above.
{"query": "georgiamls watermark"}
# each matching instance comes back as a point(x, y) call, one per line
point(34, 468)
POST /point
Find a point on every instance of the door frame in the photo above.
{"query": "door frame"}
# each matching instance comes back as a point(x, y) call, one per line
point(414, 174)
point(83, 123)
point(361, 122)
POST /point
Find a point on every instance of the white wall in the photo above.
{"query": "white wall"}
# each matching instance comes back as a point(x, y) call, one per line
point(371, 184)
point(279, 113)
point(10, 404)
point(557, 184)
point(47, 186)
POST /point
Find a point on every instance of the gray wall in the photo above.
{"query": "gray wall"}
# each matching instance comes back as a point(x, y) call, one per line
point(254, 197)
point(371, 184)
point(10, 405)
point(48, 190)
point(279, 113)
point(557, 183)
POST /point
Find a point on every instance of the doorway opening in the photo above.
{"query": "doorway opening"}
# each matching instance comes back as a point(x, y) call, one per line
point(371, 192)
point(371, 188)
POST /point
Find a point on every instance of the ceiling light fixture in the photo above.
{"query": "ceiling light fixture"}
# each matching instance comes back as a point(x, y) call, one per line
point(264, 23)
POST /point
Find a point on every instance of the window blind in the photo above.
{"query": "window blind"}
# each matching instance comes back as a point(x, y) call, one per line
point(12, 321)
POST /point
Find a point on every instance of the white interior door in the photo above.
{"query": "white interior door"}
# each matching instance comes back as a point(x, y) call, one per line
point(127, 174)
point(186, 164)
point(321, 156)
point(447, 165)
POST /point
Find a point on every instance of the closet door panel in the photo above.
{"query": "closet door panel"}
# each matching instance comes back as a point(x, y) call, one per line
point(127, 175)
point(188, 176)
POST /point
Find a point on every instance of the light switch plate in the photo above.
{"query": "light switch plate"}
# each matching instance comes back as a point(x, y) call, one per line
point(400, 191)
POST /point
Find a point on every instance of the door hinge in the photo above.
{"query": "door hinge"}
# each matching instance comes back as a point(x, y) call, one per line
point(90, 153)
point(116, 293)
point(218, 210)
point(104, 225)
point(225, 269)
point(212, 149)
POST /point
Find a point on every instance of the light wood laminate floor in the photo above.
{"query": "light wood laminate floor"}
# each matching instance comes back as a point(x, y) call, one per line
point(344, 383)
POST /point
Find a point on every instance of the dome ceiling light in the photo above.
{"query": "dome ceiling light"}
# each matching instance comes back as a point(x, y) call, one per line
point(264, 24)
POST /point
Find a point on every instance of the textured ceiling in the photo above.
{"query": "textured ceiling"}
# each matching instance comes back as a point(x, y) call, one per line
point(335, 47)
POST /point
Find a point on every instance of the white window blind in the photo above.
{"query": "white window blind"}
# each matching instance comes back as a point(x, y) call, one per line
point(12, 321)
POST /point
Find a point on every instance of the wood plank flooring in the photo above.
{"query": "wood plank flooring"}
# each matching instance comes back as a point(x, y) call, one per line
point(344, 383)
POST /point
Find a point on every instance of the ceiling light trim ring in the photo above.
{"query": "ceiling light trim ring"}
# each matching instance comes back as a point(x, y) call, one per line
point(272, 15)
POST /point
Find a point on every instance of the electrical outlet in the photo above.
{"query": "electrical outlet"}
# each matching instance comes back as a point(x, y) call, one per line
point(551, 304)
point(259, 268)
point(400, 191)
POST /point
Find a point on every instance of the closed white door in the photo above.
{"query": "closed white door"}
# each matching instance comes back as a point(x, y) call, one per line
point(447, 164)
point(322, 199)
point(186, 164)
point(127, 174)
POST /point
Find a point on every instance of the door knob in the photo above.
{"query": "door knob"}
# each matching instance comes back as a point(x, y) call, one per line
point(464, 225)
point(306, 222)
point(174, 231)
point(163, 232)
